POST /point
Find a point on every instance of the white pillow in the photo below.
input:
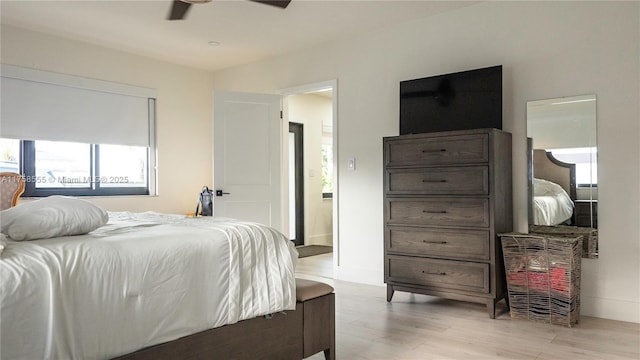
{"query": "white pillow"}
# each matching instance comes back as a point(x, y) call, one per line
point(51, 217)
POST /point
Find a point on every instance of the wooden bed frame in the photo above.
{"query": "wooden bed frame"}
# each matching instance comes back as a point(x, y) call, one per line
point(297, 334)
point(543, 165)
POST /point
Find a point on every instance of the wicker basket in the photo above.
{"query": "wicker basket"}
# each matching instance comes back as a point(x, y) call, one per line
point(590, 236)
point(543, 277)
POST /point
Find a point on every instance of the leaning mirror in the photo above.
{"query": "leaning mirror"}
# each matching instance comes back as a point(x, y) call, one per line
point(563, 171)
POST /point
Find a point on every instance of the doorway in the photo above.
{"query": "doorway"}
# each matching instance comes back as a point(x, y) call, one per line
point(314, 106)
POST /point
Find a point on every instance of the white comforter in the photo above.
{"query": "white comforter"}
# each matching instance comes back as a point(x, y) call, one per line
point(141, 280)
point(551, 204)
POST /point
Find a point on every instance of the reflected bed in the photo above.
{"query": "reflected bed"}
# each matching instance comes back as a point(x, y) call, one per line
point(553, 190)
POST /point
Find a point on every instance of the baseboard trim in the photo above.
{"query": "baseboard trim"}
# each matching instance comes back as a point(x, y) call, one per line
point(614, 309)
point(320, 239)
point(359, 275)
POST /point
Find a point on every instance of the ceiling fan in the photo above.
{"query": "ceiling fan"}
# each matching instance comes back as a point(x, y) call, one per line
point(179, 8)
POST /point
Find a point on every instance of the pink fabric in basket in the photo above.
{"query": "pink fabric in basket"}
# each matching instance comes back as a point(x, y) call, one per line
point(539, 281)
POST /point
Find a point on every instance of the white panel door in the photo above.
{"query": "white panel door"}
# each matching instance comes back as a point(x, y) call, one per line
point(247, 136)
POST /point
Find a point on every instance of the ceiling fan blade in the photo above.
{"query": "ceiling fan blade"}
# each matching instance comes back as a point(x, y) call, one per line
point(278, 3)
point(178, 10)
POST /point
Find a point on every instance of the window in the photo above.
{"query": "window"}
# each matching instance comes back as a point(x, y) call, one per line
point(126, 166)
point(585, 161)
point(59, 165)
point(61, 125)
point(327, 171)
point(76, 169)
point(10, 155)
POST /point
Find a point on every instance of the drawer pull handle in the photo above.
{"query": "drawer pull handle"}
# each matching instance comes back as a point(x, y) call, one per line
point(433, 151)
point(434, 212)
point(433, 181)
point(434, 273)
point(434, 242)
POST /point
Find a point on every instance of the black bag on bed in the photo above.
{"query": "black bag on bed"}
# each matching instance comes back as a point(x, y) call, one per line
point(205, 202)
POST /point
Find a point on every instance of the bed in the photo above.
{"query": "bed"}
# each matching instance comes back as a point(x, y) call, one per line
point(552, 190)
point(140, 280)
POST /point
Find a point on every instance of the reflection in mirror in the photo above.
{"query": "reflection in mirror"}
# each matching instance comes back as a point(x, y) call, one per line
point(563, 167)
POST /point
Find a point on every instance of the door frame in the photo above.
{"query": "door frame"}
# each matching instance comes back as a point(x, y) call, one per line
point(308, 88)
point(297, 130)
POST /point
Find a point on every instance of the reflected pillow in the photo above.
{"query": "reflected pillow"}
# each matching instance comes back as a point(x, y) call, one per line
point(543, 187)
point(51, 217)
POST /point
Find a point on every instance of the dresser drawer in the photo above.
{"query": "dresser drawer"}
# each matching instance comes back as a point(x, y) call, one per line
point(469, 212)
point(452, 243)
point(471, 180)
point(438, 150)
point(446, 274)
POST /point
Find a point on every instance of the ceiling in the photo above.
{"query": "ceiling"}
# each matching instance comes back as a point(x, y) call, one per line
point(247, 31)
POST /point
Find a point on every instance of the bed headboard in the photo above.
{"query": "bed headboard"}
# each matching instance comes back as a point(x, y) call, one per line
point(547, 167)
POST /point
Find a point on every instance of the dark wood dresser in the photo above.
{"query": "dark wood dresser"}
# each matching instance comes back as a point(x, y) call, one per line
point(446, 196)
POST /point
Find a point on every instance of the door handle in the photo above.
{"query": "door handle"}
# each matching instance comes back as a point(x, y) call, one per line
point(220, 193)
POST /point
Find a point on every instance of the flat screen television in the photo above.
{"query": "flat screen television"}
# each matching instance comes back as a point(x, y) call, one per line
point(463, 100)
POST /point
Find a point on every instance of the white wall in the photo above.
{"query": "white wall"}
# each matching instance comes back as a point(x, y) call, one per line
point(547, 49)
point(183, 110)
point(311, 111)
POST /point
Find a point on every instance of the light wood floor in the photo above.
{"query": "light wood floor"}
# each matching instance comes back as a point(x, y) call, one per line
point(424, 327)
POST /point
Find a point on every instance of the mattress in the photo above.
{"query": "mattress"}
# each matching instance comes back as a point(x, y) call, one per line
point(140, 280)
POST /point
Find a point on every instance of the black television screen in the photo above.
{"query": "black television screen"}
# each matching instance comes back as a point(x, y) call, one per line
point(463, 100)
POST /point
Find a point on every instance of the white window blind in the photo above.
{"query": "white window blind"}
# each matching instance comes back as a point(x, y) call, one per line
point(38, 105)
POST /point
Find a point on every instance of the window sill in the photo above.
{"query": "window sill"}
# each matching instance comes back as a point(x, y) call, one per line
point(91, 197)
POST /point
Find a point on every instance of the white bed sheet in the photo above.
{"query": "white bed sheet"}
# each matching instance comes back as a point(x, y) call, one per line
point(551, 203)
point(551, 209)
point(140, 280)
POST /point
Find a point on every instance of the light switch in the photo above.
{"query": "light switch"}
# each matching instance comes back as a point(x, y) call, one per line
point(351, 164)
